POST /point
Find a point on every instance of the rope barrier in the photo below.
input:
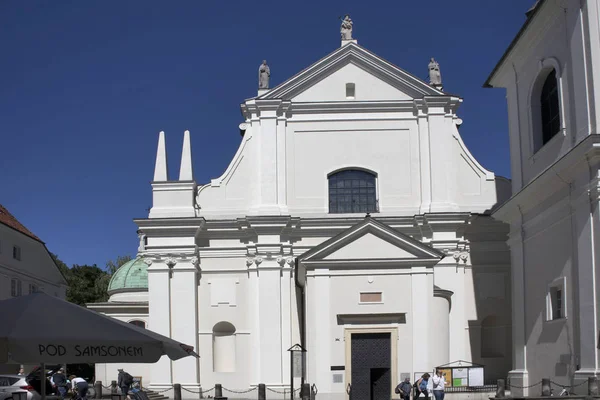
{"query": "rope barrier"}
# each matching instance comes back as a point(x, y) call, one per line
point(191, 391)
point(523, 387)
point(240, 392)
point(278, 392)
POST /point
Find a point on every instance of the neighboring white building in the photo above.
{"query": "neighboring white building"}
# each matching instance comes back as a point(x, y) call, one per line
point(551, 72)
point(352, 220)
point(25, 266)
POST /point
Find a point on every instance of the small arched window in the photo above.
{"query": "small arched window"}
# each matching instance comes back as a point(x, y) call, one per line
point(550, 108)
point(224, 347)
point(139, 323)
point(352, 191)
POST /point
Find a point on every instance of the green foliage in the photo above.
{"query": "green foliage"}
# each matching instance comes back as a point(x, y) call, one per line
point(113, 266)
point(88, 283)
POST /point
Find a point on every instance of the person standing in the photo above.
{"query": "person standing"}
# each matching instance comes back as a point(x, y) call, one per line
point(421, 386)
point(60, 381)
point(439, 383)
point(124, 381)
point(21, 372)
point(403, 389)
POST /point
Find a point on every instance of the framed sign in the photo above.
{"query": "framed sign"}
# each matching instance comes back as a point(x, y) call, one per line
point(475, 376)
point(298, 364)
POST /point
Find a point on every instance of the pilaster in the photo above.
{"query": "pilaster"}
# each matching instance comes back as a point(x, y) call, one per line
point(267, 116)
point(441, 154)
point(421, 299)
point(184, 317)
point(322, 323)
point(159, 319)
point(268, 343)
point(586, 224)
point(282, 158)
point(518, 376)
point(424, 156)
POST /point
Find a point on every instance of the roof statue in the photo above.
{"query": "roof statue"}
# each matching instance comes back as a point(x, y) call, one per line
point(346, 28)
point(264, 73)
point(435, 77)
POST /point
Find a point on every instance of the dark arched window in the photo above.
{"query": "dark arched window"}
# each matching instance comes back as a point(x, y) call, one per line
point(352, 191)
point(141, 324)
point(550, 108)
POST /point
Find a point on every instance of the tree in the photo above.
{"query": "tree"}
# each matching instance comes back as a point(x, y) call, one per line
point(111, 268)
point(88, 283)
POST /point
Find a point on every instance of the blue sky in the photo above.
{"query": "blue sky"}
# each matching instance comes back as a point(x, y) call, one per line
point(85, 87)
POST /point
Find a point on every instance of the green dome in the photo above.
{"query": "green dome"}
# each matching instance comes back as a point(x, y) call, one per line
point(131, 276)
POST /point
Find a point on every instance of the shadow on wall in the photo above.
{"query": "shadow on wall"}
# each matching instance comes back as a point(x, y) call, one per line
point(503, 192)
point(491, 332)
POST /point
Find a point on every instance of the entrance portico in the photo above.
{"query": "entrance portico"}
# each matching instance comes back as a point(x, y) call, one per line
point(364, 288)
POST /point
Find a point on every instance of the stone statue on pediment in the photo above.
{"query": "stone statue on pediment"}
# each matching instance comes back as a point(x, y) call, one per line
point(264, 73)
point(346, 28)
point(435, 77)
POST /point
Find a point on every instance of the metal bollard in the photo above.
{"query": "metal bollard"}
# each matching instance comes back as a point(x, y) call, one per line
point(305, 391)
point(500, 389)
point(177, 391)
point(113, 387)
point(219, 392)
point(593, 386)
point(545, 387)
point(98, 390)
point(262, 391)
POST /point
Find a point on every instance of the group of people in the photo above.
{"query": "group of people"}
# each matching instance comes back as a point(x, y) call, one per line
point(73, 384)
point(421, 386)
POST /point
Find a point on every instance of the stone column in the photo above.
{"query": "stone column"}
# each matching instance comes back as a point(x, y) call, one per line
point(184, 318)
point(421, 299)
point(518, 376)
point(440, 318)
point(159, 318)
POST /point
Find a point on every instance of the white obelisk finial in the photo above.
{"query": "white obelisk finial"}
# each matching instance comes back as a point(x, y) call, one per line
point(160, 168)
point(185, 171)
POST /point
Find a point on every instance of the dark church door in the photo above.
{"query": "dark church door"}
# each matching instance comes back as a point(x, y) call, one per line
point(371, 366)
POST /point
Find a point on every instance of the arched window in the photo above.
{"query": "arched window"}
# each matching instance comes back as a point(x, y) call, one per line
point(550, 108)
point(352, 191)
point(141, 324)
point(224, 347)
point(493, 337)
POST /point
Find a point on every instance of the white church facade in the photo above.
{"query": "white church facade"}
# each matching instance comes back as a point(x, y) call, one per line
point(551, 73)
point(352, 220)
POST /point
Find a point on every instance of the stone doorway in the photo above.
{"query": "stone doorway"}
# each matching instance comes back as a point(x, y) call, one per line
point(371, 366)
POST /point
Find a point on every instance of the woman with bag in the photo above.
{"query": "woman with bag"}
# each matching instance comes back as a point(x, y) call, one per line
point(421, 386)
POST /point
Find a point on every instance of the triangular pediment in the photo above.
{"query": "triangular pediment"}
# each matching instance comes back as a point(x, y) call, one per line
point(371, 241)
point(351, 63)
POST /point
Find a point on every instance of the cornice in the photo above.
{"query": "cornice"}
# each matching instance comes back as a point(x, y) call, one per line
point(554, 178)
point(334, 107)
point(370, 263)
point(357, 55)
